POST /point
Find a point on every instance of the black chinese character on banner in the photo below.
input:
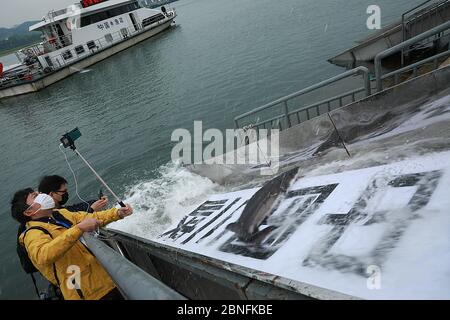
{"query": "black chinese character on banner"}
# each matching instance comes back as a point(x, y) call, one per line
point(189, 226)
point(398, 221)
point(282, 223)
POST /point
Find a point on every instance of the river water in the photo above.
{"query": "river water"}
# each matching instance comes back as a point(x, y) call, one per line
point(222, 58)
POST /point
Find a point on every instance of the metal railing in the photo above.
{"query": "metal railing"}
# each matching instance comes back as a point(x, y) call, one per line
point(55, 13)
point(414, 17)
point(59, 61)
point(20, 78)
point(398, 48)
point(133, 282)
point(275, 121)
point(426, 12)
point(415, 67)
point(45, 47)
point(406, 21)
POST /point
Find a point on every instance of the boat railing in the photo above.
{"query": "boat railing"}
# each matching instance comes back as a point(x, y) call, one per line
point(29, 51)
point(45, 47)
point(436, 33)
point(57, 43)
point(55, 13)
point(306, 112)
point(103, 43)
point(20, 77)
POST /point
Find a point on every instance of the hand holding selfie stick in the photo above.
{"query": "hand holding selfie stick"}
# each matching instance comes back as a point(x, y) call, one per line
point(68, 141)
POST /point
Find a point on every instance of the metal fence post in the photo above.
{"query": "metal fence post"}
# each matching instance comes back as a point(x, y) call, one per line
point(284, 100)
point(286, 114)
point(380, 56)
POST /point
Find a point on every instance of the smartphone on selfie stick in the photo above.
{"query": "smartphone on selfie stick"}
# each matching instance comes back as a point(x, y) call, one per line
point(68, 141)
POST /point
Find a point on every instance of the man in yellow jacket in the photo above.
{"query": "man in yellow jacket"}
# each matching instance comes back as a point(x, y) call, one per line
point(58, 254)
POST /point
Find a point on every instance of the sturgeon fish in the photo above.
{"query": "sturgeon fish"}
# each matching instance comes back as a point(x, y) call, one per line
point(260, 206)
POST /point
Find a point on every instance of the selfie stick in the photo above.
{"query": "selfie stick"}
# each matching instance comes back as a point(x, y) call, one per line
point(68, 141)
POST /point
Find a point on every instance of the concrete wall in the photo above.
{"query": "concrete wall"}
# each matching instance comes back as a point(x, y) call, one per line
point(203, 278)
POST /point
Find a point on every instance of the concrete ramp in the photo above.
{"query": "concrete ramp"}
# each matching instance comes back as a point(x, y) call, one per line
point(406, 120)
point(374, 233)
point(365, 218)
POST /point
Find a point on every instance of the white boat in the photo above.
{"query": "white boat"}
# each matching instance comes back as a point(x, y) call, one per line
point(81, 35)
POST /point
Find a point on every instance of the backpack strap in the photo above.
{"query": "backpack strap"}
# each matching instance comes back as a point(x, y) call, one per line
point(49, 234)
point(79, 292)
point(35, 285)
point(60, 219)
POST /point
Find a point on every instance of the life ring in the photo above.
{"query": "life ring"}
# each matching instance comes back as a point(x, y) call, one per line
point(28, 77)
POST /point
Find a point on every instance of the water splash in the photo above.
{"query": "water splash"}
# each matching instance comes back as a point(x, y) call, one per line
point(161, 202)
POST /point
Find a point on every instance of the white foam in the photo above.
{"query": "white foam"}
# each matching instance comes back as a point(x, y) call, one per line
point(427, 115)
point(160, 202)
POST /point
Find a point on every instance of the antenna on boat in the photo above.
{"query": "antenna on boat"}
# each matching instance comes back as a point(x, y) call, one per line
point(68, 141)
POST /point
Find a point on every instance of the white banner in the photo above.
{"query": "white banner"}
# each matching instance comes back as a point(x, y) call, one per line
point(375, 233)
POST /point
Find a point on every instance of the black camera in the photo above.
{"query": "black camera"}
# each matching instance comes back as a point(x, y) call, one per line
point(68, 139)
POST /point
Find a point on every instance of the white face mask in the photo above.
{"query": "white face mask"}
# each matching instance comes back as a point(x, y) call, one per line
point(45, 201)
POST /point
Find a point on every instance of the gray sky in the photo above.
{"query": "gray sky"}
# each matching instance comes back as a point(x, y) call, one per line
point(14, 12)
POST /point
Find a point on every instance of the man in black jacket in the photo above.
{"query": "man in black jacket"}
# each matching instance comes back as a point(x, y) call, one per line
point(56, 187)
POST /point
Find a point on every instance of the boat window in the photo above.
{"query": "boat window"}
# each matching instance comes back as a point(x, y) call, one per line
point(109, 37)
point(67, 55)
point(49, 61)
point(124, 32)
point(104, 15)
point(152, 19)
point(91, 45)
point(94, 18)
point(79, 49)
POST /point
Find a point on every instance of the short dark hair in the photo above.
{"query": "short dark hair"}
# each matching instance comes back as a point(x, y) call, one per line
point(19, 205)
point(51, 184)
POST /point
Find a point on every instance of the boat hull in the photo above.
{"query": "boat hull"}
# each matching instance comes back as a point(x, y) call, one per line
point(60, 74)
